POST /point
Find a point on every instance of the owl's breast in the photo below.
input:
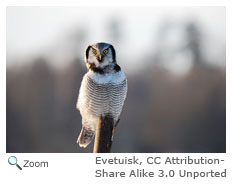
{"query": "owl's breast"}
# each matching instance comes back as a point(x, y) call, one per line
point(102, 94)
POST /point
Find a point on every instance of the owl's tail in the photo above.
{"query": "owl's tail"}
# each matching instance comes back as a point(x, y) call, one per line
point(85, 137)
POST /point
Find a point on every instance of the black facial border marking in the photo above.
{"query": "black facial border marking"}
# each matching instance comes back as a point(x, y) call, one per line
point(113, 53)
point(117, 68)
point(87, 52)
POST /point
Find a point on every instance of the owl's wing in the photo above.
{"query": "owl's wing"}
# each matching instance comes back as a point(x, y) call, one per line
point(82, 93)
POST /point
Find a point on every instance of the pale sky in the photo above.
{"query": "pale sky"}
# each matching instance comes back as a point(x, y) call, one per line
point(32, 31)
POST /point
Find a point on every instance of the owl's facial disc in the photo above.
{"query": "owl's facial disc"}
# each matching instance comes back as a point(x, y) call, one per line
point(100, 58)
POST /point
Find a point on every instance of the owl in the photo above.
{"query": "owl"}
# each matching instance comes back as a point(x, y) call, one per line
point(103, 90)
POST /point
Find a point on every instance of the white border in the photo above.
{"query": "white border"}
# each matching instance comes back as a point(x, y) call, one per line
point(77, 169)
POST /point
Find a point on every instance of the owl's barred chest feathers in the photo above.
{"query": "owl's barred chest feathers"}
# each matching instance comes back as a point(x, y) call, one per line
point(102, 94)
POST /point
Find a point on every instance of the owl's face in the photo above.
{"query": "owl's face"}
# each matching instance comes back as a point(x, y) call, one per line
point(100, 55)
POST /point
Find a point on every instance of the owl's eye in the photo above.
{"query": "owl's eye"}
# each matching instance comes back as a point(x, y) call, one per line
point(105, 51)
point(94, 51)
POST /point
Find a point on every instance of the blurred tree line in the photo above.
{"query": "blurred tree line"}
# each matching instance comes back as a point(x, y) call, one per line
point(163, 112)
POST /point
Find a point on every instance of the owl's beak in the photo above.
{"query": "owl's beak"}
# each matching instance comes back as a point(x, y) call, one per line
point(100, 58)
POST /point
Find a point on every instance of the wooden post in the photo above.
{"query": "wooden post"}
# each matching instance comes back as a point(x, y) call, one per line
point(103, 136)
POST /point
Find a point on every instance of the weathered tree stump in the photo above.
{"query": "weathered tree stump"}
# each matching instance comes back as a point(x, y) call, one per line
point(104, 135)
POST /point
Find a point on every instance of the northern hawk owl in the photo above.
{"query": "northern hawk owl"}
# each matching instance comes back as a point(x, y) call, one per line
point(103, 89)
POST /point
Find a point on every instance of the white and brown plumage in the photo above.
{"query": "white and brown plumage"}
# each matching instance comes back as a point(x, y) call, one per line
point(103, 89)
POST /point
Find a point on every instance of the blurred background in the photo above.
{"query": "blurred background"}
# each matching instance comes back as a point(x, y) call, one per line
point(174, 59)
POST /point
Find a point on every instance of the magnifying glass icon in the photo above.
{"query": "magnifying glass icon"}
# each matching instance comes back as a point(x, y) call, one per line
point(12, 160)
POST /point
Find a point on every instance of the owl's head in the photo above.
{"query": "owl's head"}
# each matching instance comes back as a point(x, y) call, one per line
point(100, 55)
